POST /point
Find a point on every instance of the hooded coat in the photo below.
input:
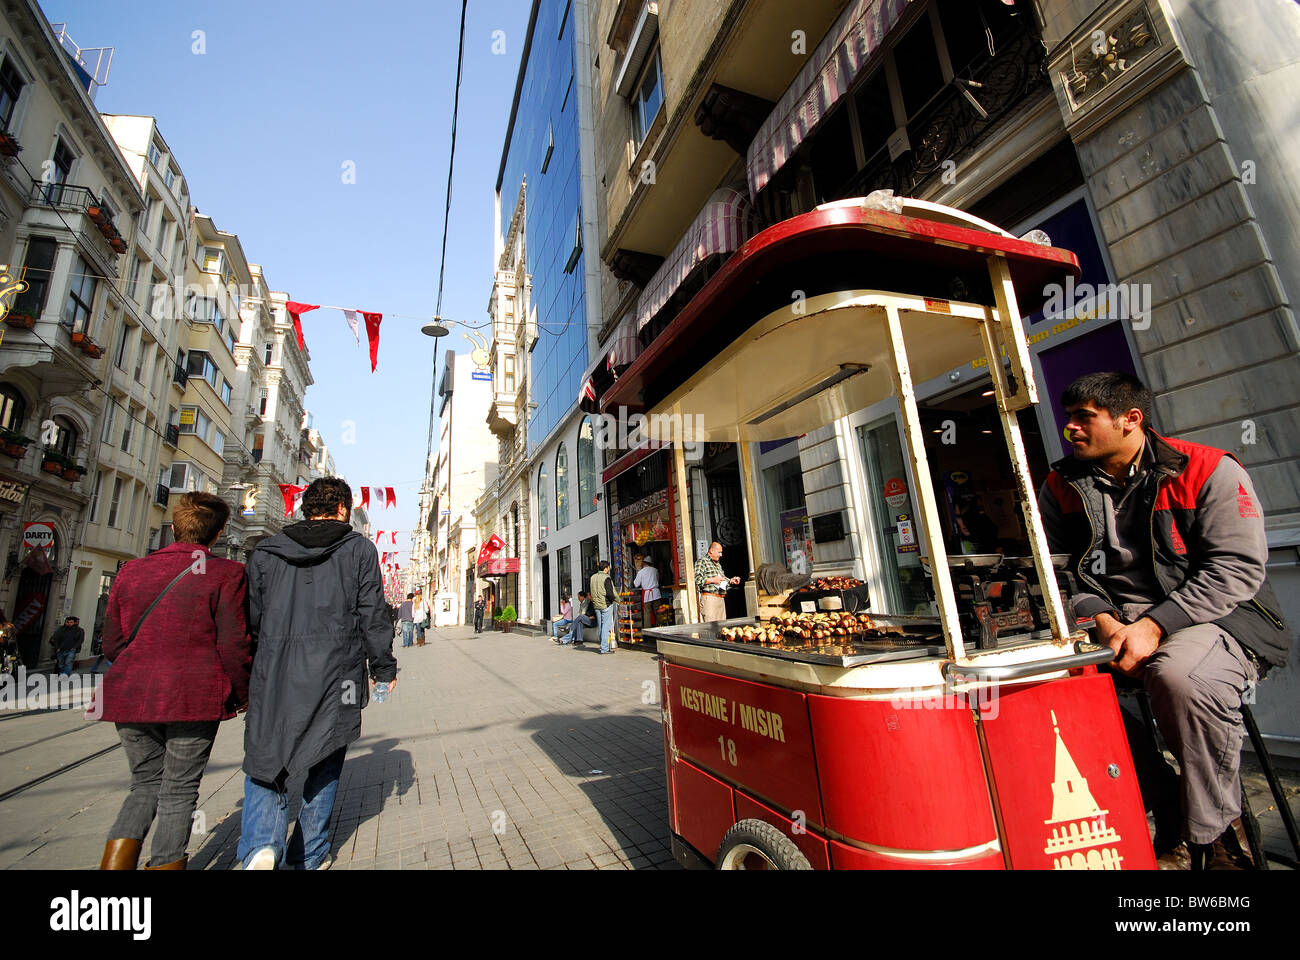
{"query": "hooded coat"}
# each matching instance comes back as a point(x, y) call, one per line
point(317, 613)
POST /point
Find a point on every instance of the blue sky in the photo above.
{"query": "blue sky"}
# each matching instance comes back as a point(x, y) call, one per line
point(261, 124)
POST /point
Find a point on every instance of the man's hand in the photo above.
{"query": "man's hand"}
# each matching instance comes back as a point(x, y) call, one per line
point(391, 683)
point(1107, 626)
point(735, 580)
point(1133, 645)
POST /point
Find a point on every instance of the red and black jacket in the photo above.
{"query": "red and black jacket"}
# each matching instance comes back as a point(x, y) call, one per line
point(1180, 470)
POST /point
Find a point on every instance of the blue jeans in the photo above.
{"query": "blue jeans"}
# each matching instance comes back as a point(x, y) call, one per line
point(266, 816)
point(575, 628)
point(557, 626)
point(605, 625)
point(408, 631)
point(66, 659)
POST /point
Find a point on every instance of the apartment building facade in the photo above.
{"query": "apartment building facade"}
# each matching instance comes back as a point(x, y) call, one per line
point(1128, 131)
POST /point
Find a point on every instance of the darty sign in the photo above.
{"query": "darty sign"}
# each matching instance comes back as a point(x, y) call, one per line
point(38, 536)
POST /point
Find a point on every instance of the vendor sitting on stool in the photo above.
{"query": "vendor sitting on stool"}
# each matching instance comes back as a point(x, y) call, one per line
point(1196, 623)
point(712, 584)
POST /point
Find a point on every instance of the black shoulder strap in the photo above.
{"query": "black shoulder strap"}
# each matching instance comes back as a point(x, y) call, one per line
point(158, 599)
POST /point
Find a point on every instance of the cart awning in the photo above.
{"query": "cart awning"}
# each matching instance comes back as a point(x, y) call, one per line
point(823, 81)
point(843, 246)
point(722, 225)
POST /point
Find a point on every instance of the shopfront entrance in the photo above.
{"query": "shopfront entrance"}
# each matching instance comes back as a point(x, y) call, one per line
point(727, 517)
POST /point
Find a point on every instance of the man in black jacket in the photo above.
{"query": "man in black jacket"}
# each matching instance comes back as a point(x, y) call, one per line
point(67, 640)
point(317, 613)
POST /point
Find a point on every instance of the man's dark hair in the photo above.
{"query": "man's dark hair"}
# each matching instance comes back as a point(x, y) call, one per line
point(199, 517)
point(410, 596)
point(583, 593)
point(324, 497)
point(1115, 392)
point(603, 565)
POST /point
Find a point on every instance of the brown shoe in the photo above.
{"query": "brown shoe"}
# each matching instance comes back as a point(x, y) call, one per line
point(1225, 853)
point(174, 865)
point(120, 855)
point(1177, 857)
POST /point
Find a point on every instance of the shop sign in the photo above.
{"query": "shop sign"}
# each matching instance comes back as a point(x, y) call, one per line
point(480, 375)
point(498, 567)
point(13, 492)
point(38, 536)
point(187, 416)
point(895, 493)
point(906, 534)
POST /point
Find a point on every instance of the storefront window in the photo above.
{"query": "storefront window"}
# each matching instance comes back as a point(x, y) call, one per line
point(562, 488)
point(564, 571)
point(587, 482)
point(900, 586)
point(590, 556)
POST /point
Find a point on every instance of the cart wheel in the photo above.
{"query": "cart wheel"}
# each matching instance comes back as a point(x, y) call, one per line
point(755, 845)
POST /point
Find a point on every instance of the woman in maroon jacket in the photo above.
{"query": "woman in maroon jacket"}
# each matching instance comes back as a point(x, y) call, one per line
point(184, 671)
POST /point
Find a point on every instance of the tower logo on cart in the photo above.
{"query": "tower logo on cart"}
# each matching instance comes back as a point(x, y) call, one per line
point(1081, 839)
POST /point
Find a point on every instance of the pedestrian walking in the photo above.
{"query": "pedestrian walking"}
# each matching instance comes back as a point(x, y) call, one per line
point(66, 641)
point(176, 632)
point(479, 606)
point(605, 602)
point(406, 619)
point(421, 613)
point(316, 609)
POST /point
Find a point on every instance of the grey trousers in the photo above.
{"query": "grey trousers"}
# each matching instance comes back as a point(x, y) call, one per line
point(167, 761)
point(712, 607)
point(1195, 681)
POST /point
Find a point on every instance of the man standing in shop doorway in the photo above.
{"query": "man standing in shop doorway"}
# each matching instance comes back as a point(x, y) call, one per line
point(712, 584)
point(1167, 540)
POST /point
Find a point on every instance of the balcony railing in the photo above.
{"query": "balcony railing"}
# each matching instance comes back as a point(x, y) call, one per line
point(70, 196)
point(162, 495)
point(172, 434)
point(181, 377)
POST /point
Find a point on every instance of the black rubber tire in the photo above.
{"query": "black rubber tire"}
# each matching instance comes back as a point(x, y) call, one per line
point(765, 839)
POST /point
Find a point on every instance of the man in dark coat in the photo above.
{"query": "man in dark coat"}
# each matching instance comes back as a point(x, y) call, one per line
point(67, 640)
point(317, 612)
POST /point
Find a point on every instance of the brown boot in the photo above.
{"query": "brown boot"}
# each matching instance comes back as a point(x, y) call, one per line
point(120, 855)
point(1225, 853)
point(174, 865)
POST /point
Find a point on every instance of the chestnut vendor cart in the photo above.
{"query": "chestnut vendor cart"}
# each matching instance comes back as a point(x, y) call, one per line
point(911, 745)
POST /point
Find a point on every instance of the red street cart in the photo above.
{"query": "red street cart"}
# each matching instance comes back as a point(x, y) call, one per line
point(903, 744)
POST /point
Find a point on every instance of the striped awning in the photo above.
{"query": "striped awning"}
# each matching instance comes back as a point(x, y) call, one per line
point(725, 222)
point(824, 79)
point(624, 346)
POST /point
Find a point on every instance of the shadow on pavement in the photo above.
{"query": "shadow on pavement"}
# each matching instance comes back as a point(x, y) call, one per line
point(619, 762)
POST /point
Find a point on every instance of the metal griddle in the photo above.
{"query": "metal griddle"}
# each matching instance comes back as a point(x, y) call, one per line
point(922, 639)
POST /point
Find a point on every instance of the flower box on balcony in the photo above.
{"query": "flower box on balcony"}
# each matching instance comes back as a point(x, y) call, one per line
point(73, 472)
point(106, 228)
point(53, 463)
point(9, 146)
point(24, 321)
point(14, 444)
point(118, 244)
point(77, 338)
point(96, 213)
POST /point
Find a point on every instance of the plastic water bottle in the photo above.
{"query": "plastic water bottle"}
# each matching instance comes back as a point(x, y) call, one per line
point(381, 692)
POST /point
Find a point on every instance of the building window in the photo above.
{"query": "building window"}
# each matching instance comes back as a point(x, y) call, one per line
point(180, 475)
point(550, 146)
point(154, 153)
point(214, 260)
point(139, 360)
point(81, 295)
point(543, 502)
point(199, 364)
point(586, 468)
point(509, 381)
point(134, 281)
point(146, 214)
point(564, 574)
point(590, 556)
point(169, 177)
point(219, 442)
point(11, 88)
point(13, 408)
point(263, 398)
point(258, 442)
point(120, 354)
point(134, 497)
point(128, 429)
point(94, 496)
point(561, 488)
point(60, 172)
point(115, 502)
point(266, 353)
point(225, 391)
point(648, 99)
point(110, 415)
point(65, 438)
point(37, 270)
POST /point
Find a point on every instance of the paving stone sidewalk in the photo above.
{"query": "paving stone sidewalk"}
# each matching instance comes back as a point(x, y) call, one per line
point(496, 751)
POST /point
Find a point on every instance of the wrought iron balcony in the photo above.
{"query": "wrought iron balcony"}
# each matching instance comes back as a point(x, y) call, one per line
point(172, 434)
point(161, 495)
point(181, 377)
point(70, 196)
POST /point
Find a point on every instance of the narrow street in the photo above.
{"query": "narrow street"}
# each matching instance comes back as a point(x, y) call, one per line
point(501, 751)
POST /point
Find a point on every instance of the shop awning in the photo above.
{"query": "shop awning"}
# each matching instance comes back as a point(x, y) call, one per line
point(624, 347)
point(825, 78)
point(498, 568)
point(724, 223)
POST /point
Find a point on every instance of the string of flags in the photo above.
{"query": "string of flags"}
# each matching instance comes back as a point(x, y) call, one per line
point(372, 321)
point(291, 493)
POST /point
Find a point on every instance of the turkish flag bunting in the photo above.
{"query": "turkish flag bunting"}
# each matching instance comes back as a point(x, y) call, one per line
point(390, 496)
point(296, 310)
point(494, 544)
point(365, 498)
point(379, 536)
point(351, 317)
point(290, 492)
point(379, 496)
point(372, 334)
point(394, 532)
